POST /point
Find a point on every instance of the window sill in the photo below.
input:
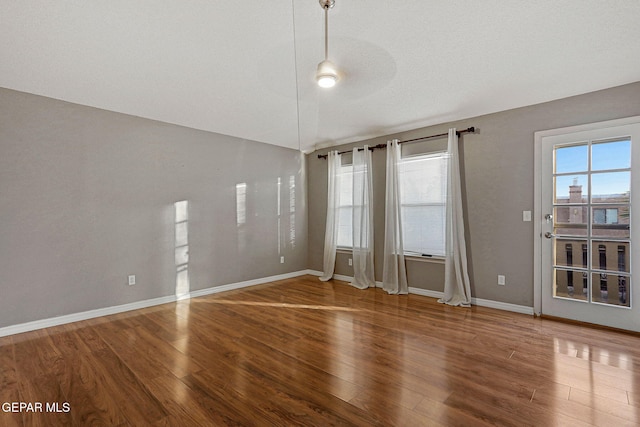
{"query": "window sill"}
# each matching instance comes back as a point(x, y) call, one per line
point(411, 257)
point(421, 258)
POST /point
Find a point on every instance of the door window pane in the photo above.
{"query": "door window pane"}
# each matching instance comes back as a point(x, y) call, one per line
point(610, 256)
point(612, 289)
point(571, 189)
point(571, 220)
point(571, 284)
point(610, 187)
point(569, 253)
point(571, 159)
point(610, 221)
point(611, 155)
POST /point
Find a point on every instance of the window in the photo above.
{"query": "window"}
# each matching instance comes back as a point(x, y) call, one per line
point(423, 193)
point(605, 216)
point(345, 210)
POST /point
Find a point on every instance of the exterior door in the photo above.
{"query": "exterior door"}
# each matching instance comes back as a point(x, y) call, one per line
point(589, 223)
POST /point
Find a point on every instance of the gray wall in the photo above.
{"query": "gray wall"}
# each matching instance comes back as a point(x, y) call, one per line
point(87, 197)
point(498, 168)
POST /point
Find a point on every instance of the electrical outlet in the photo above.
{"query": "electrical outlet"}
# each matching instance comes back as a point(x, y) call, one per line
point(350, 261)
point(282, 260)
point(501, 280)
point(132, 280)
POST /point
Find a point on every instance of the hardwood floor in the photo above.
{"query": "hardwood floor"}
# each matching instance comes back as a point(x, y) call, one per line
point(303, 352)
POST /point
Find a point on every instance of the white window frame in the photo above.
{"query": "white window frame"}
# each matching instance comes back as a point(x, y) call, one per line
point(345, 204)
point(442, 156)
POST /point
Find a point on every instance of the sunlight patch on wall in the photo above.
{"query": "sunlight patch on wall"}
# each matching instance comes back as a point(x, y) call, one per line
point(279, 214)
point(241, 216)
point(292, 211)
point(241, 203)
point(182, 247)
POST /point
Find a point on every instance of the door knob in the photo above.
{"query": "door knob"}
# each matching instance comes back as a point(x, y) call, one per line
point(549, 235)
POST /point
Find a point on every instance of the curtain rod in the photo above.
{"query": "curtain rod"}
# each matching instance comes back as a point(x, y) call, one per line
point(471, 129)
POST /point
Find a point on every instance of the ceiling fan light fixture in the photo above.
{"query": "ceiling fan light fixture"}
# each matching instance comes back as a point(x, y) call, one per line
point(327, 74)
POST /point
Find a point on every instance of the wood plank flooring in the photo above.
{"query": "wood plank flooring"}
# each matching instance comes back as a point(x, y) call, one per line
point(304, 352)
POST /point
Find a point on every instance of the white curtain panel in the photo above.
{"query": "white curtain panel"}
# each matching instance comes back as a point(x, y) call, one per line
point(394, 273)
point(333, 203)
point(363, 275)
point(457, 290)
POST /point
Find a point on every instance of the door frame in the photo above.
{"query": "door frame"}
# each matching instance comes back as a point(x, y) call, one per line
point(539, 219)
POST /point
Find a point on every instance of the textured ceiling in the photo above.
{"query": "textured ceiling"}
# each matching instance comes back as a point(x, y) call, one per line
point(246, 68)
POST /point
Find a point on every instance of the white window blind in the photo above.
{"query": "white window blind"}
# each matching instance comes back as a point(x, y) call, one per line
point(423, 194)
point(345, 218)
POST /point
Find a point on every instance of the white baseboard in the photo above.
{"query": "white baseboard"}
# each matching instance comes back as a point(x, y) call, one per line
point(338, 277)
point(523, 309)
point(315, 273)
point(84, 315)
point(76, 317)
point(343, 278)
point(438, 294)
point(247, 283)
point(426, 292)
